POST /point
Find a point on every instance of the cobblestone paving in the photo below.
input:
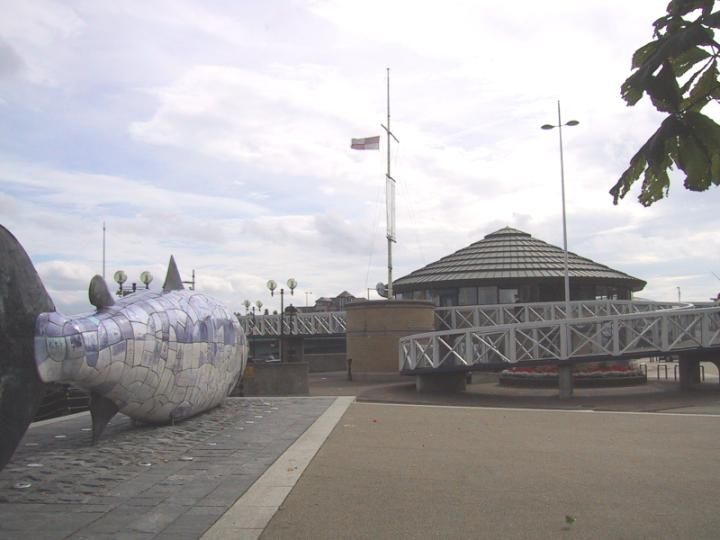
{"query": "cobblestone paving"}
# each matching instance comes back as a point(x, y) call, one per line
point(145, 481)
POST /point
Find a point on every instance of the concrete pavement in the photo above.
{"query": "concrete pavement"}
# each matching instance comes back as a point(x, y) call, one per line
point(399, 471)
point(143, 482)
point(500, 463)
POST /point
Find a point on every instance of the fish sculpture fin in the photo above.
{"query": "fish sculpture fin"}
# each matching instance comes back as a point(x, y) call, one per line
point(99, 293)
point(173, 281)
point(101, 410)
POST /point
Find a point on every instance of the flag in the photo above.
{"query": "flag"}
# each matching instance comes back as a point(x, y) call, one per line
point(368, 143)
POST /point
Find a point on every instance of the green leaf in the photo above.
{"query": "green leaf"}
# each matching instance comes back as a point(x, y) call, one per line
point(664, 91)
point(669, 47)
point(684, 48)
point(712, 20)
point(656, 183)
point(695, 163)
point(715, 169)
point(630, 176)
point(705, 129)
point(707, 134)
point(668, 23)
point(679, 8)
point(633, 88)
point(643, 53)
point(682, 62)
point(685, 87)
point(654, 160)
point(702, 92)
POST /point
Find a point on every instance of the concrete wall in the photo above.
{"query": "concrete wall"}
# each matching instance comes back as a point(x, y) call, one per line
point(374, 328)
point(276, 379)
point(326, 362)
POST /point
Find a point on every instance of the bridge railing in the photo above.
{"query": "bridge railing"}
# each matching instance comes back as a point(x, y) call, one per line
point(651, 332)
point(498, 314)
point(316, 323)
point(459, 317)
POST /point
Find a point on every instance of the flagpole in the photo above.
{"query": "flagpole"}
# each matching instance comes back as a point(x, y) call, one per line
point(388, 202)
point(389, 193)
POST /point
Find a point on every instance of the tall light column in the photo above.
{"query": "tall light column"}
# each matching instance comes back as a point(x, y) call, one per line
point(562, 187)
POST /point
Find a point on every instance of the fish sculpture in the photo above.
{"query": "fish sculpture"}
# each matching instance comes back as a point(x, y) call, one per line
point(157, 357)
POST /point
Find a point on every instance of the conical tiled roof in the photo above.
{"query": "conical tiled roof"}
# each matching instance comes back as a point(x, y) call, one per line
point(511, 254)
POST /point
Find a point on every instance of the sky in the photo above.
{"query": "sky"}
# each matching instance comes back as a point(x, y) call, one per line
point(219, 132)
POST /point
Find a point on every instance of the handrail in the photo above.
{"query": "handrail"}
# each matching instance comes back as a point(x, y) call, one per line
point(333, 322)
point(668, 328)
point(315, 323)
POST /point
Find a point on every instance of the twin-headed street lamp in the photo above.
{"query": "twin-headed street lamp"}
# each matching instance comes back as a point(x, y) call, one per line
point(249, 306)
point(120, 278)
point(292, 285)
point(562, 186)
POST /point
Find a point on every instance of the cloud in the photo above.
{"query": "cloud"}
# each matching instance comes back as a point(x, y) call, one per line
point(291, 120)
point(220, 134)
point(10, 61)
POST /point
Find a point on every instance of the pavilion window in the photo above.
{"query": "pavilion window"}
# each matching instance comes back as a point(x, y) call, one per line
point(468, 296)
point(487, 295)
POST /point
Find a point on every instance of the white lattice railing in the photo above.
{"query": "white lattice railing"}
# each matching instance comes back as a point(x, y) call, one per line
point(333, 322)
point(499, 314)
point(646, 329)
point(318, 323)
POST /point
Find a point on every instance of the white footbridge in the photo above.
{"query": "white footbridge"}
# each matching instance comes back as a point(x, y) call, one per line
point(477, 337)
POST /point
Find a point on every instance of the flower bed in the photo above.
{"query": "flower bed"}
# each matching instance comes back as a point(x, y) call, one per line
point(596, 374)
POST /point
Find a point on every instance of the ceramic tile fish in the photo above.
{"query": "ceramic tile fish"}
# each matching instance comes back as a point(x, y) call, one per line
point(157, 357)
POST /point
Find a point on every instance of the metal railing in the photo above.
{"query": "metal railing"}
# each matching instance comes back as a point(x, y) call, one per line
point(498, 314)
point(317, 323)
point(647, 328)
point(333, 322)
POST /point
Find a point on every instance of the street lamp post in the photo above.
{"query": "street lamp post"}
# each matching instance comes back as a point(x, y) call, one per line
point(252, 334)
point(562, 187)
point(120, 277)
point(292, 284)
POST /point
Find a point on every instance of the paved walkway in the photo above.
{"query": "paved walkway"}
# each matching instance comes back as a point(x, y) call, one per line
point(168, 482)
point(500, 463)
point(407, 472)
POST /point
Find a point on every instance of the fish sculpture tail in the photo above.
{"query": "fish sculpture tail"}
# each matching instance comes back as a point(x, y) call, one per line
point(22, 298)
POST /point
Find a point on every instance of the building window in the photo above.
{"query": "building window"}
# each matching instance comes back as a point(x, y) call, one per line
point(420, 295)
point(508, 296)
point(487, 295)
point(468, 296)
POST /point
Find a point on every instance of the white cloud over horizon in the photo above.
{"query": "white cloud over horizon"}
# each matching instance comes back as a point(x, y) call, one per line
point(220, 134)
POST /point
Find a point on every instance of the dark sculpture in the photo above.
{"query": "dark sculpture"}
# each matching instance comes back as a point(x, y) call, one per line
point(22, 298)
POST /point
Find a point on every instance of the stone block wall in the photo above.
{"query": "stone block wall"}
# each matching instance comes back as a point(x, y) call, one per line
point(374, 329)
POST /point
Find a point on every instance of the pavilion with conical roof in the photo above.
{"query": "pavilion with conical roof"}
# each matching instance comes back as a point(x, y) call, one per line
point(511, 266)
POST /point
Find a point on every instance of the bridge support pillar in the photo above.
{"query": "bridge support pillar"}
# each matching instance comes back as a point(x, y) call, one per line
point(441, 382)
point(566, 382)
point(690, 369)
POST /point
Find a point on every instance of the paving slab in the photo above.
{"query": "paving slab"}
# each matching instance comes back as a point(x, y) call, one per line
point(144, 481)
